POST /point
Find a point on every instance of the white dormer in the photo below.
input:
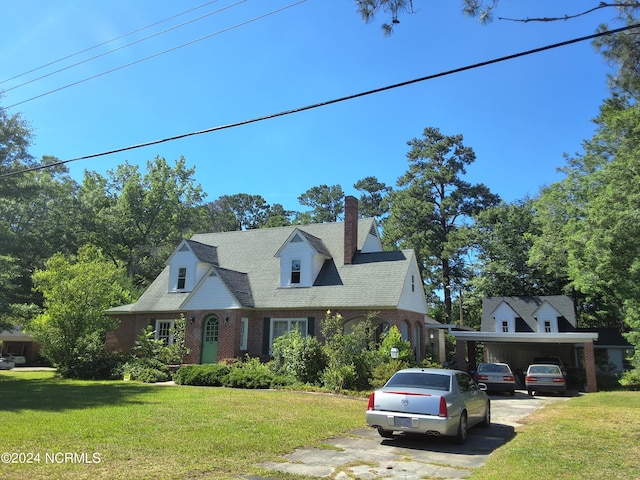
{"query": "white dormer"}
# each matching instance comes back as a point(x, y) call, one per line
point(185, 268)
point(505, 318)
point(547, 318)
point(301, 258)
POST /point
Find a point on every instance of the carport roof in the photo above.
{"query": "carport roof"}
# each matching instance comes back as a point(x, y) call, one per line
point(500, 337)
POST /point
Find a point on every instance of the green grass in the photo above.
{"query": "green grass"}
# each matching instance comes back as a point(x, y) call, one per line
point(593, 436)
point(156, 432)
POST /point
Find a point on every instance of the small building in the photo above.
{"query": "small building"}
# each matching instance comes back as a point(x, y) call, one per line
point(516, 330)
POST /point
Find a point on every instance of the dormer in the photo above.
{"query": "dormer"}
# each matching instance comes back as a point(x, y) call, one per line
point(188, 264)
point(547, 318)
point(505, 318)
point(301, 258)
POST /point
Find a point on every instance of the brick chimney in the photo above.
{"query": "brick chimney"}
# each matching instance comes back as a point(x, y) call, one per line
point(350, 228)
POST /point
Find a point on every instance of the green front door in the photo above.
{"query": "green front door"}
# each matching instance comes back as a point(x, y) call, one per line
point(210, 339)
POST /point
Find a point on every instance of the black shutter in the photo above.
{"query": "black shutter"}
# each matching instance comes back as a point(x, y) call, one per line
point(266, 324)
point(311, 326)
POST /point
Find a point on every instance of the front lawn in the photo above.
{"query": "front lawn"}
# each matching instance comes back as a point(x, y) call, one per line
point(593, 436)
point(141, 431)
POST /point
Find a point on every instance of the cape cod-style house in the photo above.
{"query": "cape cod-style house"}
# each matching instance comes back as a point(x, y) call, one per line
point(240, 290)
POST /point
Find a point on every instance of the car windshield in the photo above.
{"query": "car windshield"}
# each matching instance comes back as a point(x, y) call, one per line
point(493, 368)
point(431, 381)
point(552, 369)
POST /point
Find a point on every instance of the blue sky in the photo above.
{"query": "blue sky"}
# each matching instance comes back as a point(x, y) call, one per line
point(519, 116)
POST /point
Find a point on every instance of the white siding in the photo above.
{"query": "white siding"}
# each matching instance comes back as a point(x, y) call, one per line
point(179, 260)
point(412, 297)
point(371, 244)
point(297, 251)
point(546, 313)
point(212, 294)
point(504, 313)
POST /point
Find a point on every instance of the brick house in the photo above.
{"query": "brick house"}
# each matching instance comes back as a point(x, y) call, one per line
point(240, 290)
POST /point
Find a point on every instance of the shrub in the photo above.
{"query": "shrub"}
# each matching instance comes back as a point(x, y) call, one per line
point(91, 360)
point(210, 375)
point(301, 358)
point(251, 373)
point(342, 377)
point(147, 370)
point(350, 357)
point(631, 379)
point(383, 372)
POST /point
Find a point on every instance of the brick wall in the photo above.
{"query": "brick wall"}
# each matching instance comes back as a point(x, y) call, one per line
point(229, 332)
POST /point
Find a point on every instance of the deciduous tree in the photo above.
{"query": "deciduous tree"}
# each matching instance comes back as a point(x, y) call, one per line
point(72, 328)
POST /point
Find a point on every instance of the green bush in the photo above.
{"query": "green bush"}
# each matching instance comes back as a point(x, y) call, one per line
point(91, 360)
point(251, 373)
point(384, 371)
point(340, 377)
point(301, 358)
point(210, 375)
point(147, 370)
point(631, 379)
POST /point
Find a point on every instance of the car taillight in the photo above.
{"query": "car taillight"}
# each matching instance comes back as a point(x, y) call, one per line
point(371, 399)
point(509, 378)
point(442, 412)
point(532, 379)
point(558, 380)
point(483, 377)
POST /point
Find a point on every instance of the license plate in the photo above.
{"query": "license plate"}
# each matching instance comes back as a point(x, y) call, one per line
point(403, 422)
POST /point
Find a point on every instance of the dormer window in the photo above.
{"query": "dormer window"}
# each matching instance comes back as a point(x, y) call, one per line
point(505, 327)
point(182, 278)
point(295, 272)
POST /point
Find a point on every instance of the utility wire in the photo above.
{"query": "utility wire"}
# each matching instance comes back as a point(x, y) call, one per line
point(125, 46)
point(246, 22)
point(329, 102)
point(105, 43)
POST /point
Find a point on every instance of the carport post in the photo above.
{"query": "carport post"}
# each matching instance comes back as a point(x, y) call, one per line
point(461, 361)
point(590, 366)
point(471, 355)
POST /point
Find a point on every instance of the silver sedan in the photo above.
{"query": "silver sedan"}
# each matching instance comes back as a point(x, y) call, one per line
point(429, 401)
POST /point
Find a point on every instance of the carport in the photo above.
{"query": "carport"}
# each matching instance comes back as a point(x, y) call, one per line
point(513, 343)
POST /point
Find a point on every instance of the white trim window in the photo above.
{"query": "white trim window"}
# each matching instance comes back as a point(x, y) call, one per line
point(244, 332)
point(164, 330)
point(295, 272)
point(280, 326)
point(182, 278)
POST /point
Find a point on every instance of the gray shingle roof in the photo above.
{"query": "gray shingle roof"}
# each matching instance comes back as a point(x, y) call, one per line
point(248, 266)
point(525, 307)
point(205, 253)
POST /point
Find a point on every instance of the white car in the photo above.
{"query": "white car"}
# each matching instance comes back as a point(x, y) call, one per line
point(6, 364)
point(429, 401)
point(17, 359)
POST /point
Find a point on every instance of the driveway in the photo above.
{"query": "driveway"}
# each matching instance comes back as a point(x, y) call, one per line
point(363, 454)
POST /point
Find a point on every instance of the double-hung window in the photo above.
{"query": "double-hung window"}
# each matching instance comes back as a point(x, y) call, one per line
point(295, 272)
point(163, 331)
point(280, 326)
point(182, 278)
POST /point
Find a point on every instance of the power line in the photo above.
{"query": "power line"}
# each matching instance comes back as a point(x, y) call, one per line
point(105, 43)
point(246, 22)
point(329, 102)
point(125, 46)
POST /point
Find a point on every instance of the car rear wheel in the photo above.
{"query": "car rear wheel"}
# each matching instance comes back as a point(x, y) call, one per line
point(385, 433)
point(461, 436)
point(486, 421)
